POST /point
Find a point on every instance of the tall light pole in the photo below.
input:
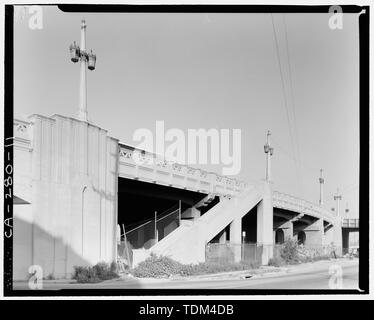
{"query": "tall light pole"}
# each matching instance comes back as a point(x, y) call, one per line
point(337, 198)
point(88, 60)
point(269, 152)
point(321, 183)
point(346, 210)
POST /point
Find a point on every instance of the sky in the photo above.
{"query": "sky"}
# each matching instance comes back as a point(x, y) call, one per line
point(287, 73)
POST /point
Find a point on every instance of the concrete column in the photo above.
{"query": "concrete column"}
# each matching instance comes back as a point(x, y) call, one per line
point(345, 241)
point(236, 238)
point(265, 223)
point(329, 235)
point(287, 228)
point(337, 236)
point(71, 224)
point(314, 233)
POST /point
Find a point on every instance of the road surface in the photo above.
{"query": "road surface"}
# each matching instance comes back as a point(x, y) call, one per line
point(342, 274)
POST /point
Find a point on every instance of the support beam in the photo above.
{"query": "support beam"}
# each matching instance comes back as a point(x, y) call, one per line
point(337, 235)
point(345, 240)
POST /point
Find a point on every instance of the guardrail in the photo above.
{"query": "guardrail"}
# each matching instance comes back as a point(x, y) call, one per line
point(350, 223)
point(144, 165)
point(286, 201)
point(21, 129)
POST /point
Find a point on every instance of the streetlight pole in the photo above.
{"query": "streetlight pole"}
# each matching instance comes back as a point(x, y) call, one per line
point(87, 60)
point(337, 198)
point(82, 115)
point(269, 152)
point(321, 183)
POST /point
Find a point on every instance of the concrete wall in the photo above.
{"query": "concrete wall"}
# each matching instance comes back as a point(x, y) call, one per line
point(314, 233)
point(22, 213)
point(73, 213)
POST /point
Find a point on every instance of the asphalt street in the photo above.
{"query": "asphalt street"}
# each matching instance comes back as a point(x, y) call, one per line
point(340, 274)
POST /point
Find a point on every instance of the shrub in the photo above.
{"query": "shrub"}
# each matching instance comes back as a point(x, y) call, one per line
point(157, 267)
point(289, 251)
point(161, 267)
point(99, 272)
point(216, 267)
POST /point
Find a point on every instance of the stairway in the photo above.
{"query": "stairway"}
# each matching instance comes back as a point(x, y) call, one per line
point(187, 243)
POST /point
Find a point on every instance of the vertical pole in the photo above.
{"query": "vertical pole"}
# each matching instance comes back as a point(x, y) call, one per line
point(321, 182)
point(338, 197)
point(180, 212)
point(156, 234)
point(126, 246)
point(83, 83)
point(243, 235)
point(269, 152)
point(268, 164)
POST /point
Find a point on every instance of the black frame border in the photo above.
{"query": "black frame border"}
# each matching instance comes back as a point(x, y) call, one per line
point(364, 145)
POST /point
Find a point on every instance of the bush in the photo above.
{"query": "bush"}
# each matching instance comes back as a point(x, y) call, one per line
point(216, 267)
point(99, 272)
point(163, 267)
point(289, 251)
point(157, 267)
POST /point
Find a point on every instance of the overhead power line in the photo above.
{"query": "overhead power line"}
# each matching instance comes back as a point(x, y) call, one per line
point(294, 143)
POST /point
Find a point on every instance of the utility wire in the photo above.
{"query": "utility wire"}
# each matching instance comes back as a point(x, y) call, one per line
point(297, 153)
point(291, 157)
point(291, 87)
point(285, 97)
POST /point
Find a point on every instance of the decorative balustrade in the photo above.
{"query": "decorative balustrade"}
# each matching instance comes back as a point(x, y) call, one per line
point(22, 134)
point(146, 166)
point(286, 201)
point(350, 223)
point(21, 129)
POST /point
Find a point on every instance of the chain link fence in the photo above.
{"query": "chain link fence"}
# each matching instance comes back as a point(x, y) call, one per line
point(248, 252)
point(148, 233)
point(253, 253)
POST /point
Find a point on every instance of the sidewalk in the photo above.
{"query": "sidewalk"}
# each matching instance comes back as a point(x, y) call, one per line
point(262, 272)
point(268, 271)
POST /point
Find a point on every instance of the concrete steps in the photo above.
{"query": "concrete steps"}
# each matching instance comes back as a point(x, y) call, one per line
point(187, 243)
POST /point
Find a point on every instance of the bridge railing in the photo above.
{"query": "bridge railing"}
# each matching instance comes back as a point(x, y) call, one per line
point(144, 165)
point(21, 130)
point(286, 201)
point(350, 223)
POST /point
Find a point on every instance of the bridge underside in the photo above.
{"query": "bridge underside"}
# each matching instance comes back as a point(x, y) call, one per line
point(307, 229)
point(138, 201)
point(147, 212)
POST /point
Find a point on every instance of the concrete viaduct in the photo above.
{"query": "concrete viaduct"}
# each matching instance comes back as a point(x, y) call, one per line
point(66, 178)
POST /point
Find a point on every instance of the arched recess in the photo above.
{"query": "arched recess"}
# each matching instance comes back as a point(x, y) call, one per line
point(301, 237)
point(279, 236)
